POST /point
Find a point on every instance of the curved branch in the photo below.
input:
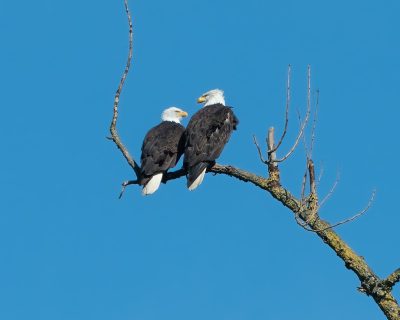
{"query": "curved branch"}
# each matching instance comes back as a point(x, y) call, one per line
point(340, 222)
point(357, 215)
point(231, 171)
point(113, 130)
point(370, 282)
point(259, 150)
point(330, 193)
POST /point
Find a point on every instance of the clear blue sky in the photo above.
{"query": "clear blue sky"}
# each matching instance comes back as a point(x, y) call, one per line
point(71, 250)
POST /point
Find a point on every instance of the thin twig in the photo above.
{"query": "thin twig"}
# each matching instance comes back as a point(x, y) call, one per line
point(321, 173)
point(331, 191)
point(304, 134)
point(305, 175)
point(371, 200)
point(314, 124)
point(301, 132)
point(307, 152)
point(113, 130)
point(351, 218)
point(125, 184)
point(304, 183)
point(308, 96)
point(259, 149)
point(286, 111)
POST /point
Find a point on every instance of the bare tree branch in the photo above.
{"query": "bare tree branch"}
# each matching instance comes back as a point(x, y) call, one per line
point(113, 130)
point(359, 214)
point(314, 125)
point(125, 184)
point(259, 149)
point(303, 184)
point(392, 279)
point(301, 132)
point(286, 111)
point(311, 170)
point(321, 173)
point(306, 150)
point(330, 193)
point(271, 146)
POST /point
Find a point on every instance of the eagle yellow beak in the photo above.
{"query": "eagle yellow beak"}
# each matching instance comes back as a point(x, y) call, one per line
point(201, 99)
point(183, 113)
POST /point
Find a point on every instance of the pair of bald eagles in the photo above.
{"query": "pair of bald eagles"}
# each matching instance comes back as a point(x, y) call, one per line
point(201, 142)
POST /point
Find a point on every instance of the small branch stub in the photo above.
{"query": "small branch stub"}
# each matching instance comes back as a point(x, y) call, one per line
point(311, 170)
point(392, 279)
point(272, 165)
point(271, 146)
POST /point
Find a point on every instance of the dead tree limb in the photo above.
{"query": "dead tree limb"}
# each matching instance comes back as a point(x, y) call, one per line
point(275, 148)
point(392, 279)
point(259, 149)
point(305, 122)
point(113, 127)
point(305, 209)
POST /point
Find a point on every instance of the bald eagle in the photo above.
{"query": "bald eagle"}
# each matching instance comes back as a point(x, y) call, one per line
point(206, 135)
point(162, 147)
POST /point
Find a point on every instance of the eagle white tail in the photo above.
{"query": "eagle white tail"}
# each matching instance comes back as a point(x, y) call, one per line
point(198, 180)
point(152, 185)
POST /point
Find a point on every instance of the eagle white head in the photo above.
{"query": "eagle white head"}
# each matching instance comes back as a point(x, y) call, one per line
point(173, 114)
point(212, 97)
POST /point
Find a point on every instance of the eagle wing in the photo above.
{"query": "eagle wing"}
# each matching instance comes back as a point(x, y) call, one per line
point(207, 133)
point(161, 148)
